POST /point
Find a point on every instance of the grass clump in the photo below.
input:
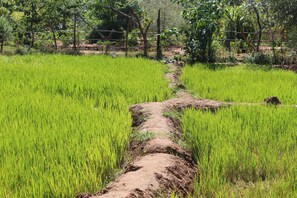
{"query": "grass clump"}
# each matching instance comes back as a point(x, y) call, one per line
point(240, 84)
point(65, 122)
point(244, 151)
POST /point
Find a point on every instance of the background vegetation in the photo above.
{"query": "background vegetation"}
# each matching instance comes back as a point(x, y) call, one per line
point(210, 30)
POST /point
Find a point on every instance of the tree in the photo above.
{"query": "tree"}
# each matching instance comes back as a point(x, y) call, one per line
point(5, 30)
point(203, 18)
point(285, 12)
point(170, 13)
point(52, 19)
point(108, 19)
point(138, 17)
point(32, 16)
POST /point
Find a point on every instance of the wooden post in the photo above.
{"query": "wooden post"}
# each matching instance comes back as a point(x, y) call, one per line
point(74, 32)
point(2, 43)
point(127, 37)
point(159, 50)
point(260, 27)
point(55, 39)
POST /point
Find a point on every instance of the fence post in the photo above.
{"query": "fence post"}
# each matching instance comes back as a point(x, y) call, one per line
point(159, 50)
point(127, 38)
point(74, 32)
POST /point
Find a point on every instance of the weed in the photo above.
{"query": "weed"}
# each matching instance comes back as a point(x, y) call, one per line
point(142, 136)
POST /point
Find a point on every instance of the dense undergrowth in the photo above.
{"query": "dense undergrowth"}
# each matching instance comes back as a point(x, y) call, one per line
point(65, 122)
point(244, 151)
point(240, 84)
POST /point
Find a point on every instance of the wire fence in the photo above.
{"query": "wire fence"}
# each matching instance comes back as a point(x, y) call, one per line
point(128, 42)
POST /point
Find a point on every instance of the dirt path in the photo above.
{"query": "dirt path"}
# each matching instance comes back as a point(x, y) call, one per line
point(160, 166)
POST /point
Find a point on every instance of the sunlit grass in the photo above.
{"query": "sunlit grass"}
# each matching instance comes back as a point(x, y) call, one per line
point(65, 122)
point(244, 151)
point(240, 84)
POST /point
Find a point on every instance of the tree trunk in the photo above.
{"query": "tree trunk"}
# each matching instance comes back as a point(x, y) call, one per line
point(74, 32)
point(2, 43)
point(272, 33)
point(210, 54)
point(127, 37)
point(55, 39)
point(145, 45)
point(260, 28)
point(32, 26)
point(32, 35)
point(159, 50)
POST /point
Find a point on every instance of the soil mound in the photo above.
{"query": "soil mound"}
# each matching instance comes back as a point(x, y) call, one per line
point(272, 101)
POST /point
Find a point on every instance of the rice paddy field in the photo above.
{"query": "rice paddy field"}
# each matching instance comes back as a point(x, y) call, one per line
point(243, 151)
point(65, 122)
point(240, 84)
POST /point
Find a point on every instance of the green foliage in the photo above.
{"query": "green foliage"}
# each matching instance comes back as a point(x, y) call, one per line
point(142, 136)
point(133, 38)
point(293, 37)
point(238, 19)
point(170, 13)
point(244, 151)
point(259, 58)
point(171, 37)
point(21, 50)
point(5, 26)
point(111, 20)
point(286, 11)
point(240, 84)
point(65, 122)
point(203, 18)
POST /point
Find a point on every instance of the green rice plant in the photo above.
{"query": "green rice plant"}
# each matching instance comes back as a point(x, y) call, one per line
point(244, 151)
point(65, 122)
point(240, 84)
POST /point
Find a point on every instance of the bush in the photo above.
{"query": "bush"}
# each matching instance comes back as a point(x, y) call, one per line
point(21, 51)
point(133, 38)
point(259, 58)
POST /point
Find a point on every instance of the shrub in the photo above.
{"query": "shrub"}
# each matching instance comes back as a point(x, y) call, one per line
point(259, 58)
point(21, 50)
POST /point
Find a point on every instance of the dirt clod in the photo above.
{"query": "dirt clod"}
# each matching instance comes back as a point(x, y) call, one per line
point(272, 101)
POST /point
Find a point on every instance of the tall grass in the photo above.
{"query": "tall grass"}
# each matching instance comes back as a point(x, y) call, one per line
point(240, 84)
point(65, 122)
point(244, 151)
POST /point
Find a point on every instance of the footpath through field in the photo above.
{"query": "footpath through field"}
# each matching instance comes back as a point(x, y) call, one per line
point(160, 166)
